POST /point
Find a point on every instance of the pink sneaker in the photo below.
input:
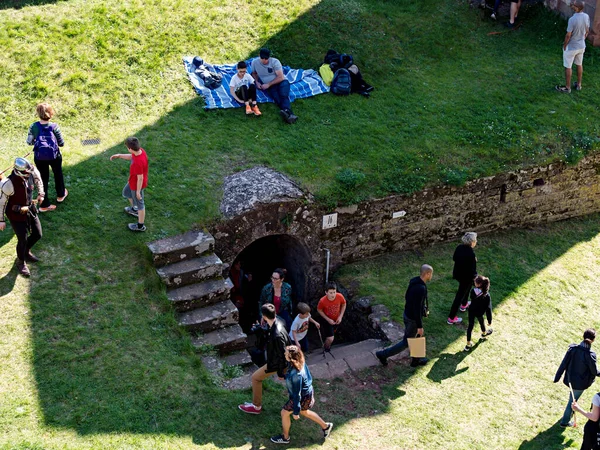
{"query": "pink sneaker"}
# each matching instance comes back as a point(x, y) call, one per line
point(454, 321)
point(249, 408)
point(463, 308)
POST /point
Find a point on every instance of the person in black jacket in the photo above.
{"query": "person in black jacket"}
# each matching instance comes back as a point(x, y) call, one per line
point(465, 271)
point(277, 340)
point(579, 367)
point(481, 304)
point(416, 296)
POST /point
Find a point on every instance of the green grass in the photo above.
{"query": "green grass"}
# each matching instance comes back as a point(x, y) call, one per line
point(90, 355)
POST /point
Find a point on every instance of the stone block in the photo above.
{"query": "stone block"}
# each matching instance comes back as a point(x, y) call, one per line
point(361, 361)
point(241, 358)
point(210, 317)
point(190, 271)
point(199, 295)
point(337, 368)
point(180, 247)
point(225, 340)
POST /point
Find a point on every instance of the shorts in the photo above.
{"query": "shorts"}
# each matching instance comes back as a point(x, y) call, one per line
point(573, 56)
point(327, 329)
point(137, 204)
point(306, 403)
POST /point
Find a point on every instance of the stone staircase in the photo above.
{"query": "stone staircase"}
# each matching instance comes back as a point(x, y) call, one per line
point(197, 290)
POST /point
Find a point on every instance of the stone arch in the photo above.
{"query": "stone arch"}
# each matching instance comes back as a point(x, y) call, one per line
point(265, 254)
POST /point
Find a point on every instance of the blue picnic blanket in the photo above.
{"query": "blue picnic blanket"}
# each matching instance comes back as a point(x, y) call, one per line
point(303, 83)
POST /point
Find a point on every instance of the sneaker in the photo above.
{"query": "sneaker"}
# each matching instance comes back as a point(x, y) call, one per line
point(327, 430)
point(31, 257)
point(256, 111)
point(454, 321)
point(22, 268)
point(134, 227)
point(279, 439)
point(469, 346)
point(487, 332)
point(577, 86)
point(62, 199)
point(493, 16)
point(131, 210)
point(463, 308)
point(509, 25)
point(563, 89)
point(249, 110)
point(284, 115)
point(293, 118)
point(249, 408)
point(47, 208)
point(381, 359)
point(570, 424)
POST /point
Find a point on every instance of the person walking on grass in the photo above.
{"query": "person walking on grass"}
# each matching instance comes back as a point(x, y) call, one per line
point(579, 367)
point(414, 310)
point(515, 5)
point(592, 427)
point(46, 138)
point(277, 341)
point(138, 181)
point(16, 202)
point(578, 28)
point(243, 89)
point(331, 308)
point(465, 271)
point(481, 304)
point(298, 380)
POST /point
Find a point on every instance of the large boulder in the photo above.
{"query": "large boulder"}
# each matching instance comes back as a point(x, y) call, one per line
point(259, 185)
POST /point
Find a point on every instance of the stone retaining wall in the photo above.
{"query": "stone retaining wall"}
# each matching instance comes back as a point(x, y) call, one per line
point(592, 8)
point(512, 200)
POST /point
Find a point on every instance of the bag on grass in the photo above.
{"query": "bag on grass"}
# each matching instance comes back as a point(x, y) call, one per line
point(45, 147)
point(326, 74)
point(341, 83)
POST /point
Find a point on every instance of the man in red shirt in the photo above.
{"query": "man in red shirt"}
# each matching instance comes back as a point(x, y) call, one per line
point(138, 180)
point(331, 308)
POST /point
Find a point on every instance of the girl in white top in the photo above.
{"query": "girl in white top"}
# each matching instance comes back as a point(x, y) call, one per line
point(243, 89)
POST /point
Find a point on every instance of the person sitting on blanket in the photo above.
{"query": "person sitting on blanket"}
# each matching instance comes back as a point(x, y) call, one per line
point(268, 74)
point(243, 89)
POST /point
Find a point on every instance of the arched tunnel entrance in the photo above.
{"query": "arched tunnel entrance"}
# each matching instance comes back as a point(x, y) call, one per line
point(252, 269)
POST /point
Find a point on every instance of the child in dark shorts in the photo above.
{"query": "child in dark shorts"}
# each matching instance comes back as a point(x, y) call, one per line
point(301, 396)
point(331, 308)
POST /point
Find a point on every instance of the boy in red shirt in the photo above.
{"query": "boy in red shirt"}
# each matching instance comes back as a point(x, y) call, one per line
point(138, 180)
point(331, 308)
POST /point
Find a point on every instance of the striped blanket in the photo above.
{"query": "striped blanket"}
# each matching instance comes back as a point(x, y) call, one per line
point(303, 83)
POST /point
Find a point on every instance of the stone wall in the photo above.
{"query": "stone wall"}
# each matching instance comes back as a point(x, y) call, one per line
point(512, 200)
point(592, 8)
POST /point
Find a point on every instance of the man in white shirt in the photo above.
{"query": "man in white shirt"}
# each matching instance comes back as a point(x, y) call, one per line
point(574, 46)
point(268, 74)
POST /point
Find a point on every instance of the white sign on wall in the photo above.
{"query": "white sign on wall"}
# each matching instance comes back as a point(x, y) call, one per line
point(330, 221)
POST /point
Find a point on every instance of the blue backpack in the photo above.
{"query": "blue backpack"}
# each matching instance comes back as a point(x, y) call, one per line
point(341, 83)
point(45, 147)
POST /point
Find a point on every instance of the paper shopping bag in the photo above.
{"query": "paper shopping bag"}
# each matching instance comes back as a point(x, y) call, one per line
point(417, 347)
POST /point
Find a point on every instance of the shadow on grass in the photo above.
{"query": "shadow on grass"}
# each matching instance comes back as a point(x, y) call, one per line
point(18, 4)
point(550, 439)
point(108, 356)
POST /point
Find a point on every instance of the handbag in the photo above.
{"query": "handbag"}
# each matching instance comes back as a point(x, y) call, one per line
point(417, 347)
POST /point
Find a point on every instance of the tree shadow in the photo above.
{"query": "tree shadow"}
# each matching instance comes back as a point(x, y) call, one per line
point(18, 4)
point(550, 439)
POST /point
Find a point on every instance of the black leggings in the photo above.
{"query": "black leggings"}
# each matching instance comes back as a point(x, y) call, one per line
point(461, 297)
point(59, 181)
point(24, 242)
point(472, 317)
point(247, 94)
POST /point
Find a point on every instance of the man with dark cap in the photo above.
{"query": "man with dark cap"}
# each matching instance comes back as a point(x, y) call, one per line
point(268, 73)
point(16, 194)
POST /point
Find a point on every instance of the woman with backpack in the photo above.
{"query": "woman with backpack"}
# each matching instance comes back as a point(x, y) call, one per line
point(46, 138)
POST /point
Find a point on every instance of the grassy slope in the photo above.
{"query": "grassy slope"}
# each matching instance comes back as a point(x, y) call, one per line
point(91, 357)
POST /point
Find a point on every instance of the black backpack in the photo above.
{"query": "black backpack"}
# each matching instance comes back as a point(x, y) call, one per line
point(341, 83)
point(45, 147)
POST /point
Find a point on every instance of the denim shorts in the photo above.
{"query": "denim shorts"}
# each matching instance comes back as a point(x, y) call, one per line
point(128, 193)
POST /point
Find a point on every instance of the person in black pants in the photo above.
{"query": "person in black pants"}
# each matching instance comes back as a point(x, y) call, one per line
point(414, 310)
point(16, 194)
point(481, 303)
point(465, 271)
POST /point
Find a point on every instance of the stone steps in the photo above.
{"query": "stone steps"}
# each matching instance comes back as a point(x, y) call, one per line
point(200, 295)
point(180, 247)
point(224, 340)
point(209, 318)
point(344, 357)
point(190, 271)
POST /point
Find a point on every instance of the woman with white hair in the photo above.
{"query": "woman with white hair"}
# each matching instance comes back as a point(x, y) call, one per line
point(465, 271)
